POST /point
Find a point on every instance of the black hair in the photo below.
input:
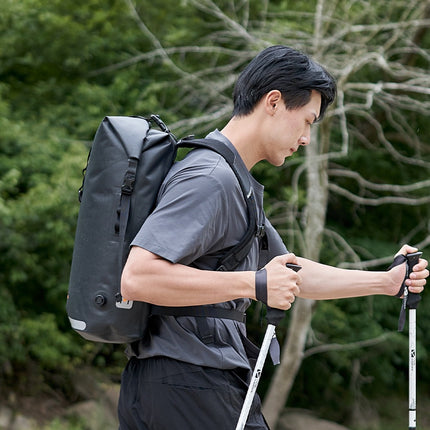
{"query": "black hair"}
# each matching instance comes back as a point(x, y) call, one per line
point(291, 72)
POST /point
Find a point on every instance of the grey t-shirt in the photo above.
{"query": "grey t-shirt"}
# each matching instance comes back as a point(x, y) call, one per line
point(200, 213)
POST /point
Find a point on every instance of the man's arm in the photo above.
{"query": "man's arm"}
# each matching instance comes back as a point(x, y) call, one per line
point(150, 278)
point(321, 282)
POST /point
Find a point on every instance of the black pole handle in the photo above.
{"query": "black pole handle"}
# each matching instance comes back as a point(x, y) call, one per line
point(413, 298)
point(410, 300)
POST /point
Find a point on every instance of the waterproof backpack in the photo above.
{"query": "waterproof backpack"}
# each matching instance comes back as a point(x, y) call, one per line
point(126, 165)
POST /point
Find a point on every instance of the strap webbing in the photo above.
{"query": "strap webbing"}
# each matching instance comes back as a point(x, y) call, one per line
point(236, 254)
point(200, 311)
point(123, 209)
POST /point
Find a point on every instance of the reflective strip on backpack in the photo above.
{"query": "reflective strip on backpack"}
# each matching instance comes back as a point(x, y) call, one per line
point(78, 325)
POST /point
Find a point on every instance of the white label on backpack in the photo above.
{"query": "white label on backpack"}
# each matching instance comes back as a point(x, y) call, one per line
point(124, 304)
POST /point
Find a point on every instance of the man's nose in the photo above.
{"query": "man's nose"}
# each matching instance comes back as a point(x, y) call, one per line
point(305, 139)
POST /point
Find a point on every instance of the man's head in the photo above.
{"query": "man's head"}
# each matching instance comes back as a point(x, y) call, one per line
point(291, 72)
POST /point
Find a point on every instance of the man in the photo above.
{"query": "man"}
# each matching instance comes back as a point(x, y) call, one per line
point(176, 378)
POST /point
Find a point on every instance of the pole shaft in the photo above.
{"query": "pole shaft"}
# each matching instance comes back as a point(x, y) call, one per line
point(270, 332)
point(412, 371)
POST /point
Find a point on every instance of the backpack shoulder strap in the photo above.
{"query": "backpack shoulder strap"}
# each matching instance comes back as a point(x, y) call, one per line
point(236, 254)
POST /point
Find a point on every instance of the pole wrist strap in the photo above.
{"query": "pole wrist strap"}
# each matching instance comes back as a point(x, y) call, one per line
point(261, 285)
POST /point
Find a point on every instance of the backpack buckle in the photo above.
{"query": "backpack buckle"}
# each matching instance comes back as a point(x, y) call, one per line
point(160, 123)
point(261, 231)
point(128, 184)
point(129, 177)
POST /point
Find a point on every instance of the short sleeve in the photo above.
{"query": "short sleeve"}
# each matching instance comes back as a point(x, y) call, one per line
point(189, 220)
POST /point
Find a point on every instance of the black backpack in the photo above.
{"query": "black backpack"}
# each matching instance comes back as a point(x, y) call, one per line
point(126, 165)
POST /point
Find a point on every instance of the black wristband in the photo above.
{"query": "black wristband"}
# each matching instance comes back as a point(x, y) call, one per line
point(400, 259)
point(261, 285)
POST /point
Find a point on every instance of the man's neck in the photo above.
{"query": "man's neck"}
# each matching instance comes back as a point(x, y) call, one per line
point(242, 134)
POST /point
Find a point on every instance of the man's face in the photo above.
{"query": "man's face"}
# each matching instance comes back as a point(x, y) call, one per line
point(290, 129)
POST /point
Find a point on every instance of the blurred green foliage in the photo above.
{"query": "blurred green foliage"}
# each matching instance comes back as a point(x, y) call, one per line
point(66, 64)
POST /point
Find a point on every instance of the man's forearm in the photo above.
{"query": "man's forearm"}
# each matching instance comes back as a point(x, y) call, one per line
point(321, 282)
point(152, 279)
point(149, 278)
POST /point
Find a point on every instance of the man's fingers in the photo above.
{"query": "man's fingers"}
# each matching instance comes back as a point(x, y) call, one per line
point(288, 302)
point(288, 258)
point(282, 282)
point(407, 249)
point(418, 277)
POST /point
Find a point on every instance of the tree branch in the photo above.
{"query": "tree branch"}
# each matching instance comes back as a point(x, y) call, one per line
point(379, 187)
point(154, 40)
point(346, 347)
point(211, 8)
point(380, 200)
point(160, 53)
point(383, 261)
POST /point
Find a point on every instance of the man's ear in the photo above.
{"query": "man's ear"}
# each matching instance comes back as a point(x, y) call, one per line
point(272, 100)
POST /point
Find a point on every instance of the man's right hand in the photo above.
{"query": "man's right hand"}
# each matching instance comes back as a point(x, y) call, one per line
point(283, 284)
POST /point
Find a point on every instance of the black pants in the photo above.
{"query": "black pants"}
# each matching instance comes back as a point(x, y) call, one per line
point(164, 394)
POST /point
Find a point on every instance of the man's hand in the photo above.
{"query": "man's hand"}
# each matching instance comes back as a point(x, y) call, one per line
point(282, 283)
point(417, 279)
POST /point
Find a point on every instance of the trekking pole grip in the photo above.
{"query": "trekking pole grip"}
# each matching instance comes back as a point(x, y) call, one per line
point(413, 298)
point(274, 316)
point(410, 300)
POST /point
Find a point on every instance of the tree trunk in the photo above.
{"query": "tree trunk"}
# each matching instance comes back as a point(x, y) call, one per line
point(292, 353)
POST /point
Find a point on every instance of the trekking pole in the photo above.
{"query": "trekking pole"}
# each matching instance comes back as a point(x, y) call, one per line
point(410, 301)
point(274, 316)
point(412, 371)
point(270, 333)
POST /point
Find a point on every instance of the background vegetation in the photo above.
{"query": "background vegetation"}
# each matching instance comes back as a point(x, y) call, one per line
point(66, 64)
